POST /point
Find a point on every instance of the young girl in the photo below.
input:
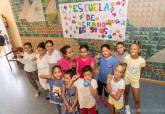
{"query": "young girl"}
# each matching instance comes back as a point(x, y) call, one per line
point(69, 93)
point(29, 67)
point(107, 64)
point(132, 75)
point(53, 55)
point(87, 91)
point(120, 52)
point(83, 60)
point(56, 89)
point(67, 61)
point(56, 84)
point(115, 87)
point(42, 65)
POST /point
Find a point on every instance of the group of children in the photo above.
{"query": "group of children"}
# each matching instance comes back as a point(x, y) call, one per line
point(70, 81)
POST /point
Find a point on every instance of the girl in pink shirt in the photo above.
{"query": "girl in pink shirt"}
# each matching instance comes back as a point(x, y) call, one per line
point(67, 61)
point(83, 60)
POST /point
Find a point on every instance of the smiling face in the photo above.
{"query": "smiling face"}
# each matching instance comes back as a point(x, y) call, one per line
point(57, 73)
point(120, 49)
point(28, 49)
point(69, 53)
point(49, 47)
point(134, 50)
point(84, 52)
point(119, 71)
point(106, 52)
point(41, 51)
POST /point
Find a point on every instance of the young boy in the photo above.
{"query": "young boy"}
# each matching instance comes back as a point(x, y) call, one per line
point(87, 91)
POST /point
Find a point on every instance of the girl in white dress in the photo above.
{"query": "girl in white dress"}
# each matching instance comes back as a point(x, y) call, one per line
point(42, 65)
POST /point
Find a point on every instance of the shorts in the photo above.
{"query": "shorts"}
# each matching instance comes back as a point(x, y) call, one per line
point(133, 82)
point(116, 104)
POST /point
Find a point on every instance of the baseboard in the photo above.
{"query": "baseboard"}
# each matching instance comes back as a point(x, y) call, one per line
point(152, 81)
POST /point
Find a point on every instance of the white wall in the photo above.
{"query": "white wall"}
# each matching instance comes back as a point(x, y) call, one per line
point(6, 10)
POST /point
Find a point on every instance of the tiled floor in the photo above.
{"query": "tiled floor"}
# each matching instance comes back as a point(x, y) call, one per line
point(16, 95)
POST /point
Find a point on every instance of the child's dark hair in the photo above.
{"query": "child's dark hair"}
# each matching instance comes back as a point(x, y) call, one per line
point(41, 45)
point(49, 41)
point(63, 50)
point(27, 43)
point(105, 45)
point(84, 46)
point(71, 72)
point(120, 43)
point(137, 43)
point(87, 68)
point(56, 66)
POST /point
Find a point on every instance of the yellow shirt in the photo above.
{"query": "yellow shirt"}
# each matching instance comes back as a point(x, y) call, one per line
point(134, 66)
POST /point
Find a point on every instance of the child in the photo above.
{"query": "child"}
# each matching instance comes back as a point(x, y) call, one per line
point(83, 60)
point(107, 64)
point(69, 93)
point(56, 84)
point(87, 91)
point(42, 65)
point(132, 75)
point(120, 52)
point(53, 55)
point(29, 67)
point(116, 86)
point(67, 61)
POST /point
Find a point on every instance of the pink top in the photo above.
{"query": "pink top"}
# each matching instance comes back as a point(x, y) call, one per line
point(82, 63)
point(66, 64)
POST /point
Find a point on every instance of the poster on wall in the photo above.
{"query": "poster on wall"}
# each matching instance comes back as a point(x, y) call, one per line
point(105, 20)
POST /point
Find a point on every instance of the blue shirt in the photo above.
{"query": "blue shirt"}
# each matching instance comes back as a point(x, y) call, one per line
point(106, 67)
point(56, 91)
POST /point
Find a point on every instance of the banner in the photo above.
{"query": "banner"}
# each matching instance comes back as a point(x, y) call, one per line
point(105, 20)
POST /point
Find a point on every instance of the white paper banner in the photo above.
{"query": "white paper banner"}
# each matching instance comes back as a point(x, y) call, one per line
point(105, 20)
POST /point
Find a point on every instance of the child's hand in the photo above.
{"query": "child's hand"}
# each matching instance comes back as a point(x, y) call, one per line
point(34, 59)
point(70, 109)
point(108, 88)
point(75, 77)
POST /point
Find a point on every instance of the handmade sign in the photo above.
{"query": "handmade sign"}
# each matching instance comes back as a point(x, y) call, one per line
point(104, 19)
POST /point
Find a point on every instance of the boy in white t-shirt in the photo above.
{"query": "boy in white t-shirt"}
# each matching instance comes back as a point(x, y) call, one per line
point(87, 91)
point(116, 87)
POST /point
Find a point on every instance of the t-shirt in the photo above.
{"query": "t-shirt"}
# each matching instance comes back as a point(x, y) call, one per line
point(54, 57)
point(29, 66)
point(56, 91)
point(66, 64)
point(85, 98)
point(82, 63)
point(116, 86)
point(106, 67)
point(120, 58)
point(134, 66)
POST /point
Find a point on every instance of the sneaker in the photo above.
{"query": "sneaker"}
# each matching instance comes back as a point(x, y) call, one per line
point(48, 97)
point(105, 103)
point(127, 109)
point(98, 101)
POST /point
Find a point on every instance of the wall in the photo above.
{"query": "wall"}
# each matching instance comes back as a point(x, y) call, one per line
point(6, 10)
point(41, 21)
